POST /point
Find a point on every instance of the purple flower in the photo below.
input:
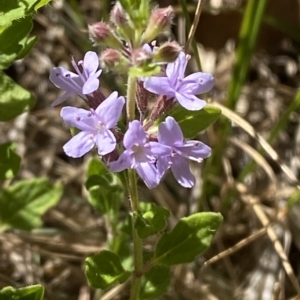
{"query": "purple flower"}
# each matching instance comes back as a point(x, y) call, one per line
point(184, 89)
point(140, 154)
point(94, 126)
point(82, 83)
point(170, 134)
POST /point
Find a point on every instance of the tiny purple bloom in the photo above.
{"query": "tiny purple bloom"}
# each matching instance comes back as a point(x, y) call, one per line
point(170, 134)
point(140, 154)
point(82, 83)
point(94, 126)
point(184, 89)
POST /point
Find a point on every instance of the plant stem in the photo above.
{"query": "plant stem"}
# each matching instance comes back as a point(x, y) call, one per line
point(137, 242)
point(134, 201)
point(130, 104)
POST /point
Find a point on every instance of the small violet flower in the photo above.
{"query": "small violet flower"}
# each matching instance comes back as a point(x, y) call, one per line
point(83, 83)
point(95, 126)
point(184, 89)
point(170, 134)
point(140, 154)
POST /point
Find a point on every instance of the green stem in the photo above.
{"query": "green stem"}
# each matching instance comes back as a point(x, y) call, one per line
point(134, 201)
point(130, 104)
point(137, 242)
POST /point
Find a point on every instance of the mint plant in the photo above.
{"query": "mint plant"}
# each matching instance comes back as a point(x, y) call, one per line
point(132, 138)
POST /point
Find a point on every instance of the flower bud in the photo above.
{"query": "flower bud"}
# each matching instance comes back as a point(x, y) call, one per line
point(167, 52)
point(118, 15)
point(160, 21)
point(141, 56)
point(114, 60)
point(100, 33)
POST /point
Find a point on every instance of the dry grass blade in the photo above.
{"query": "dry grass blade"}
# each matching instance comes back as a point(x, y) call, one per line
point(254, 202)
point(194, 25)
point(264, 144)
point(236, 247)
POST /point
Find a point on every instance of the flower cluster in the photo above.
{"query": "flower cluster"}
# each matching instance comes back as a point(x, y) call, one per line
point(151, 155)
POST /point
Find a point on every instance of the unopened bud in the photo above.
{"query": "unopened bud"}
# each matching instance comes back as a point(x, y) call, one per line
point(118, 15)
point(141, 56)
point(162, 106)
point(101, 33)
point(167, 52)
point(114, 60)
point(160, 21)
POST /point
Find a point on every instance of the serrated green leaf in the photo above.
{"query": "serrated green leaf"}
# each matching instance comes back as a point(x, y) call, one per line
point(33, 292)
point(14, 100)
point(144, 71)
point(27, 44)
point(9, 161)
point(155, 283)
point(23, 204)
point(13, 40)
point(151, 219)
point(104, 270)
point(190, 237)
point(17, 9)
point(193, 122)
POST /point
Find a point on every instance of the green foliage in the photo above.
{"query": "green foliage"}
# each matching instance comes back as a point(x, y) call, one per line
point(155, 283)
point(105, 192)
point(23, 204)
point(103, 270)
point(190, 237)
point(14, 100)
point(192, 122)
point(33, 292)
point(144, 71)
point(13, 10)
point(9, 161)
point(14, 42)
point(151, 219)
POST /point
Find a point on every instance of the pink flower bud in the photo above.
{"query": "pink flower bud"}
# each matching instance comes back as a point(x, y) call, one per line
point(118, 15)
point(160, 21)
point(101, 33)
point(141, 56)
point(167, 52)
point(114, 60)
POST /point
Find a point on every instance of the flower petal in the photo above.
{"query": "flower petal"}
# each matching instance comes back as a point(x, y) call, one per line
point(149, 174)
point(134, 135)
point(105, 142)
point(109, 111)
point(61, 98)
point(123, 162)
point(190, 102)
point(169, 132)
point(181, 171)
point(194, 150)
point(162, 164)
point(90, 63)
point(159, 85)
point(78, 117)
point(199, 83)
point(158, 149)
point(62, 79)
point(79, 145)
point(91, 85)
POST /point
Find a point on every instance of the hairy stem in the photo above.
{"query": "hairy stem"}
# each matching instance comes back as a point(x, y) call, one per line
point(134, 201)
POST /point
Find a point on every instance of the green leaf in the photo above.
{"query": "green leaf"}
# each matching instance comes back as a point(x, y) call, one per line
point(13, 40)
point(14, 100)
point(144, 71)
point(11, 10)
point(23, 204)
point(190, 237)
point(193, 122)
point(9, 161)
point(27, 43)
point(33, 292)
point(103, 270)
point(155, 283)
point(151, 219)
point(105, 192)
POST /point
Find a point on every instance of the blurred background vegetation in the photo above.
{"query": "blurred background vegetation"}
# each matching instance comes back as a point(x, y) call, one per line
point(252, 49)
